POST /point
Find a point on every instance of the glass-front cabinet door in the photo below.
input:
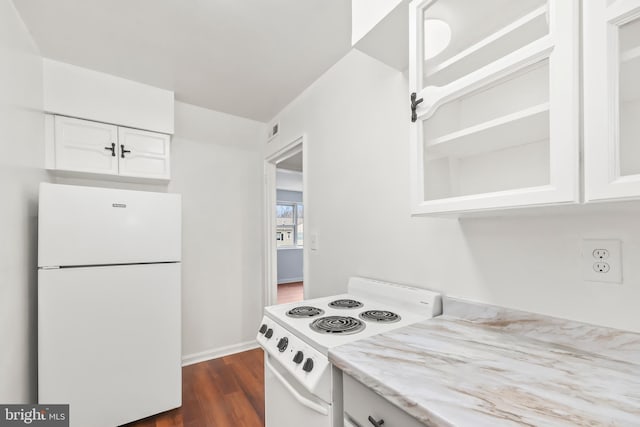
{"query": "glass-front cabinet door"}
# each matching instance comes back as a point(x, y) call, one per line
point(612, 99)
point(495, 104)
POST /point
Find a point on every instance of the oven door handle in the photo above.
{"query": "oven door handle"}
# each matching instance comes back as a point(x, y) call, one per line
point(300, 398)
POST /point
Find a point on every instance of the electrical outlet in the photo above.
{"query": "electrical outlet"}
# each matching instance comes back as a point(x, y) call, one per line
point(601, 267)
point(602, 260)
point(601, 253)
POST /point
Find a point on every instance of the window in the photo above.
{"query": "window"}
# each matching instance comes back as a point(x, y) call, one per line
point(284, 214)
point(289, 224)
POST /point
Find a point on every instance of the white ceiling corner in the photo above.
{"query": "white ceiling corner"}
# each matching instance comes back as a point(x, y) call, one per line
point(247, 58)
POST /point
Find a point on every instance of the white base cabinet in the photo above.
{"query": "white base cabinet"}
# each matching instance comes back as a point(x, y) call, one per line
point(87, 147)
point(360, 403)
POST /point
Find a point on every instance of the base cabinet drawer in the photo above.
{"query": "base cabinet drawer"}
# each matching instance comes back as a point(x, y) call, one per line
point(360, 403)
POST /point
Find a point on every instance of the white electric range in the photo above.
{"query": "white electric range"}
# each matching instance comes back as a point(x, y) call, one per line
point(301, 385)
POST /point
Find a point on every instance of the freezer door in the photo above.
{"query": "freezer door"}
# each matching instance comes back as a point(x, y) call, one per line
point(109, 341)
point(100, 226)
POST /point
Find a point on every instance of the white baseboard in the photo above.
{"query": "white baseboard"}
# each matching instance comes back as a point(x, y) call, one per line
point(292, 280)
point(214, 353)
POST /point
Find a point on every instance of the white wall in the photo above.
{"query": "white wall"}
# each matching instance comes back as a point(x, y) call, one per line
point(356, 119)
point(290, 265)
point(22, 148)
point(217, 165)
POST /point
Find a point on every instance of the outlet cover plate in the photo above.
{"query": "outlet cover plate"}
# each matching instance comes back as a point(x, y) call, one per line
point(591, 248)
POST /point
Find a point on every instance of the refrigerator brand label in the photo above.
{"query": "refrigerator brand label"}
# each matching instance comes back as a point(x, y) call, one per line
point(118, 205)
point(34, 415)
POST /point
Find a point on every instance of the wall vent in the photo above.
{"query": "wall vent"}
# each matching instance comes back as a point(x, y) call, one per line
point(274, 130)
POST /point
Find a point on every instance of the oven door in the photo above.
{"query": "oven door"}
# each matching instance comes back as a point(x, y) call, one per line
point(287, 403)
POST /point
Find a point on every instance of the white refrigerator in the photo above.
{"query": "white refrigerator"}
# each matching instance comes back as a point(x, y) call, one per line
point(109, 322)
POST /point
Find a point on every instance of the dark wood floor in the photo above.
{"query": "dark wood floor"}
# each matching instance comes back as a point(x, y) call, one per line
point(224, 392)
point(290, 292)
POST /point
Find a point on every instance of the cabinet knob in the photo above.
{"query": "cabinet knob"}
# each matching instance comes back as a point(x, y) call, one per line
point(112, 149)
point(123, 151)
point(374, 422)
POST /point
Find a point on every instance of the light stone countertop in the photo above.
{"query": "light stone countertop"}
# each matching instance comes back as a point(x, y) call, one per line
point(480, 365)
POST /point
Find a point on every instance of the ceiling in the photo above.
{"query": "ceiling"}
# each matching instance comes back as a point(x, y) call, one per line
point(293, 163)
point(243, 57)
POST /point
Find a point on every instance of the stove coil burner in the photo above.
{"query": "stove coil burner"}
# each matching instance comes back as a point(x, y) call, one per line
point(345, 303)
point(304, 311)
point(381, 316)
point(343, 325)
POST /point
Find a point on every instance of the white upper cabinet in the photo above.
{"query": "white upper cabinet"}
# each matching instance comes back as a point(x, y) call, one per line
point(497, 103)
point(85, 146)
point(143, 154)
point(88, 147)
point(612, 99)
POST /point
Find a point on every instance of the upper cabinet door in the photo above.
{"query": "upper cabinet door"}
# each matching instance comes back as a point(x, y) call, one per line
point(85, 146)
point(143, 154)
point(496, 121)
point(612, 99)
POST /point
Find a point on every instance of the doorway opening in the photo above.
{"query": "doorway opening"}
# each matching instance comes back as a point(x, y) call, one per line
point(290, 229)
point(285, 213)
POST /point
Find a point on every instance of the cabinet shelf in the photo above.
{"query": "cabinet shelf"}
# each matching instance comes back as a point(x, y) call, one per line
point(522, 127)
point(508, 39)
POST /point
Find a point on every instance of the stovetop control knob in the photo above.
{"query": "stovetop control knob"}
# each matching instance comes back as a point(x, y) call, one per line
point(269, 333)
point(308, 365)
point(299, 357)
point(282, 344)
point(263, 329)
